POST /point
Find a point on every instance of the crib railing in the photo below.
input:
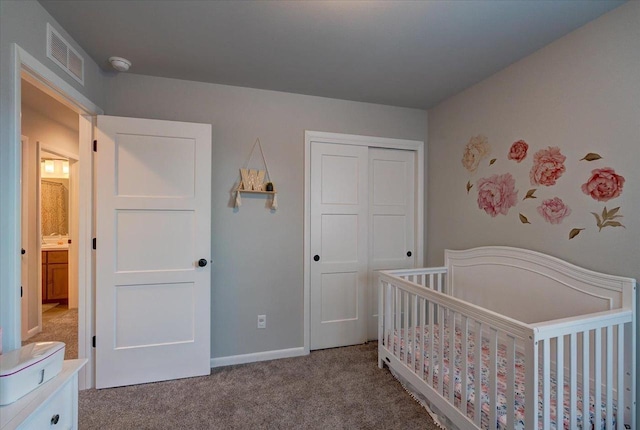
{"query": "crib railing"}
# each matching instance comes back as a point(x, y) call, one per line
point(417, 320)
point(590, 352)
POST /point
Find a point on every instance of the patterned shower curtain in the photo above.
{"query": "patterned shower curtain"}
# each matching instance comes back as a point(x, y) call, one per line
point(54, 197)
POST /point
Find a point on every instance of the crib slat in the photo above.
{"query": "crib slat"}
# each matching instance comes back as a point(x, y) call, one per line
point(423, 317)
point(493, 378)
point(440, 387)
point(573, 355)
point(414, 325)
point(398, 327)
point(452, 352)
point(560, 380)
point(465, 363)
point(586, 371)
point(440, 283)
point(620, 386)
point(477, 374)
point(431, 281)
point(511, 381)
point(405, 311)
point(432, 329)
point(609, 393)
point(597, 389)
point(546, 384)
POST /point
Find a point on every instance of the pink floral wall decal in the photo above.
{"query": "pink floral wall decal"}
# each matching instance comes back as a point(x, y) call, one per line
point(548, 166)
point(554, 210)
point(518, 151)
point(604, 184)
point(477, 149)
point(497, 193)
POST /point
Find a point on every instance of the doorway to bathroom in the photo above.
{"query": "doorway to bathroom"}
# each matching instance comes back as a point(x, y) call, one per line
point(50, 161)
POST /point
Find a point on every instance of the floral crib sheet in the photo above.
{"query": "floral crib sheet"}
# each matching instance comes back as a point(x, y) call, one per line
point(484, 374)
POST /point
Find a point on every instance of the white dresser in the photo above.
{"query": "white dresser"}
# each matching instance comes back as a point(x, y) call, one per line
point(53, 405)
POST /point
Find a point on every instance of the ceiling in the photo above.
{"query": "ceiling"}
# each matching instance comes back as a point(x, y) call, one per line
point(402, 53)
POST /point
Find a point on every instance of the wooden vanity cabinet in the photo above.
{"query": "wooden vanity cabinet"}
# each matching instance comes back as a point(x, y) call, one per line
point(55, 276)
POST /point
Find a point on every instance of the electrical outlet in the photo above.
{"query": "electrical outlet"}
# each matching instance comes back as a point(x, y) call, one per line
point(262, 321)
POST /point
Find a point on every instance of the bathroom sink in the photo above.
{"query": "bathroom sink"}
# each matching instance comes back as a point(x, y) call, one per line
point(48, 246)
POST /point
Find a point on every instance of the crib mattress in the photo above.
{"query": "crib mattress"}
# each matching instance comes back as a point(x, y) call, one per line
point(484, 380)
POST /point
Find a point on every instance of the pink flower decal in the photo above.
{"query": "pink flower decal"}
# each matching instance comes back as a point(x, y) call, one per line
point(604, 184)
point(554, 210)
point(548, 166)
point(477, 148)
point(518, 151)
point(497, 193)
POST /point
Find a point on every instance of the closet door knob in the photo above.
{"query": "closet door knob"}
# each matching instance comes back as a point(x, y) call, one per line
point(408, 253)
point(202, 262)
point(316, 258)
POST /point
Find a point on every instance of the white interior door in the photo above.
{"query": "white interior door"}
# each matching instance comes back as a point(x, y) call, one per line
point(153, 227)
point(24, 267)
point(339, 202)
point(391, 219)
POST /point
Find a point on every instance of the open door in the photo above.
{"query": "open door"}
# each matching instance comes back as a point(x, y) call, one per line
point(153, 237)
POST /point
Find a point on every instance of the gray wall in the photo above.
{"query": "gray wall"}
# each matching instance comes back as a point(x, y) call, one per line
point(581, 94)
point(24, 23)
point(257, 254)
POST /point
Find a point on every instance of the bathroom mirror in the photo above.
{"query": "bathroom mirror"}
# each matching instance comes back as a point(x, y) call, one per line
point(54, 194)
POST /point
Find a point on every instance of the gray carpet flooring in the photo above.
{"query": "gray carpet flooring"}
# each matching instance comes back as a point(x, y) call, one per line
point(339, 388)
point(59, 324)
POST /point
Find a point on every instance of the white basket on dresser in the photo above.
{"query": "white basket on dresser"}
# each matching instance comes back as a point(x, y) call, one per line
point(52, 405)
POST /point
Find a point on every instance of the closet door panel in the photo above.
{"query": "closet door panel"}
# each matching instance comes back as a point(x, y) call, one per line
point(391, 219)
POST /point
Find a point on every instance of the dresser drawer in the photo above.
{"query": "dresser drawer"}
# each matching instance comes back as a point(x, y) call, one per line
point(56, 413)
point(57, 256)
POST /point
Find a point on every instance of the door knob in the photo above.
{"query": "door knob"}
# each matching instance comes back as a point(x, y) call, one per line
point(202, 262)
point(408, 253)
point(316, 258)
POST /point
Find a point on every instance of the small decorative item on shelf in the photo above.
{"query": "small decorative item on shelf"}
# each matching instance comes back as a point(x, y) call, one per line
point(253, 180)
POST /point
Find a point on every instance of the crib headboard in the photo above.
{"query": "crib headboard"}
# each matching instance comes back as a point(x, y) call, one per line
point(530, 286)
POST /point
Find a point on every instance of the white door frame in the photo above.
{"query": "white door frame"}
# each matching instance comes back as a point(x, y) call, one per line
point(352, 139)
point(24, 65)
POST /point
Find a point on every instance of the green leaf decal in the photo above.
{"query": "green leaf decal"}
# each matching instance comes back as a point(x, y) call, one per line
point(574, 232)
point(493, 160)
point(608, 218)
point(592, 156)
point(524, 220)
point(469, 186)
point(530, 194)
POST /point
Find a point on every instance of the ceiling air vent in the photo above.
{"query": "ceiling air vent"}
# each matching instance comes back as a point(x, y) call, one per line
point(63, 54)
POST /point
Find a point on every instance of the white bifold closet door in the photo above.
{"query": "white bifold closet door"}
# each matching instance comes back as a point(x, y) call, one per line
point(391, 219)
point(362, 220)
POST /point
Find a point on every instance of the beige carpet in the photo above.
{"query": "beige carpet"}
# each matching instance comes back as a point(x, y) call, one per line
point(339, 388)
point(61, 325)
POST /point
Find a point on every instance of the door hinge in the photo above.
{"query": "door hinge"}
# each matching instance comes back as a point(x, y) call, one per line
point(20, 290)
point(94, 243)
point(93, 342)
point(95, 146)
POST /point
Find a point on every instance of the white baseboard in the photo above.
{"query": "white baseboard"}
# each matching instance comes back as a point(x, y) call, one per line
point(257, 356)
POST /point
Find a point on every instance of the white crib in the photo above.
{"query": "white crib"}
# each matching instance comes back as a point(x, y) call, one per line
point(544, 335)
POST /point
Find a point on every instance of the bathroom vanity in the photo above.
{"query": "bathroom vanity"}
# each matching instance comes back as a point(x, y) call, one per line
point(55, 275)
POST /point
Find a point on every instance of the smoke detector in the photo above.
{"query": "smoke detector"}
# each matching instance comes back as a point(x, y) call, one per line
point(120, 64)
